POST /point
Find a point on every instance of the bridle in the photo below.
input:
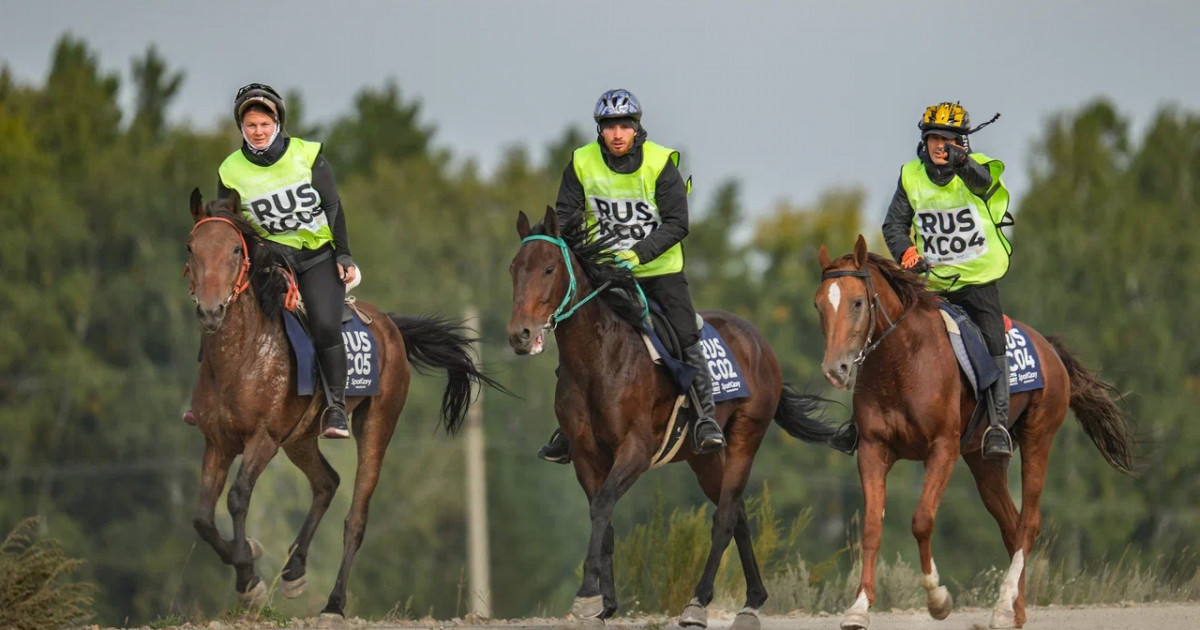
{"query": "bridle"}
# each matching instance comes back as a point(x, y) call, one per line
point(876, 304)
point(562, 312)
point(243, 280)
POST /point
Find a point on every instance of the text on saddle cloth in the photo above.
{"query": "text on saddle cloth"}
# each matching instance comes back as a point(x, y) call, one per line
point(362, 356)
point(1024, 365)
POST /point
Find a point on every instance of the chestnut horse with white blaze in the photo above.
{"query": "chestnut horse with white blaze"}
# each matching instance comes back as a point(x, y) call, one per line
point(885, 339)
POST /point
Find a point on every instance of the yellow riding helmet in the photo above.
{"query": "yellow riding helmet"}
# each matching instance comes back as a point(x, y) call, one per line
point(946, 117)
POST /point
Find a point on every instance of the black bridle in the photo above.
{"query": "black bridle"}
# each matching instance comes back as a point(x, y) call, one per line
point(876, 304)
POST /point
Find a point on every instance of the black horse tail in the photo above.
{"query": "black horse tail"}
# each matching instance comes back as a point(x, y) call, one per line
point(800, 415)
point(435, 343)
point(1095, 405)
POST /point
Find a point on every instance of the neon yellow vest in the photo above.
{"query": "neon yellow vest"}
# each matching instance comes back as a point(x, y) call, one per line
point(625, 203)
point(279, 200)
point(957, 231)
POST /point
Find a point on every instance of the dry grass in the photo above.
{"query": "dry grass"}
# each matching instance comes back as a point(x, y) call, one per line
point(34, 591)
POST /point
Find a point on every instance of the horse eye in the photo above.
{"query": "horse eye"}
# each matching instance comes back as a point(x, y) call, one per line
point(189, 248)
point(237, 251)
point(858, 304)
point(549, 270)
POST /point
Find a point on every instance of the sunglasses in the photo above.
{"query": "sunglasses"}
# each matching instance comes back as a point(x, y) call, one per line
point(257, 86)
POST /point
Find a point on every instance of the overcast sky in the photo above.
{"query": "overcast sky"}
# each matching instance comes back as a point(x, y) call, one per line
point(789, 97)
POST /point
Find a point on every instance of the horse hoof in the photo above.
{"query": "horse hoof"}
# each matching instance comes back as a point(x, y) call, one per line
point(331, 620)
point(694, 615)
point(1003, 620)
point(256, 548)
point(255, 597)
point(292, 589)
point(747, 619)
point(856, 620)
point(592, 623)
point(940, 603)
point(588, 607)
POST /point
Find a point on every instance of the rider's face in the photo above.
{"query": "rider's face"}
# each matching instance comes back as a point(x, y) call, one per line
point(618, 137)
point(937, 148)
point(258, 128)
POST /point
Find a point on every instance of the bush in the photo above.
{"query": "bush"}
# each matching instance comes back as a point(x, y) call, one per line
point(33, 592)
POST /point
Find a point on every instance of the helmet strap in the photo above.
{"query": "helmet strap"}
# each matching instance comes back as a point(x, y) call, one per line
point(256, 150)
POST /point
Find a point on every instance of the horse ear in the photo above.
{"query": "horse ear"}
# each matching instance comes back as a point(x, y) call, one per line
point(522, 224)
point(197, 205)
point(551, 222)
point(823, 257)
point(234, 202)
point(860, 252)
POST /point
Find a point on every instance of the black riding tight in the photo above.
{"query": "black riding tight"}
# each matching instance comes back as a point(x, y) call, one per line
point(982, 304)
point(323, 294)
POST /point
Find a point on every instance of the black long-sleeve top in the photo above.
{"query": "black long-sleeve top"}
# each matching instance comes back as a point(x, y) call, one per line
point(322, 181)
point(898, 223)
point(670, 195)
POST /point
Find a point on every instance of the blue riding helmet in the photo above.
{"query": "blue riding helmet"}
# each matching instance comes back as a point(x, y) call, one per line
point(617, 104)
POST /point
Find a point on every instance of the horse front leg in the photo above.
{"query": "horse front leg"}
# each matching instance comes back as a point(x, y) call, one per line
point(938, 466)
point(874, 462)
point(213, 472)
point(323, 480)
point(259, 451)
point(631, 460)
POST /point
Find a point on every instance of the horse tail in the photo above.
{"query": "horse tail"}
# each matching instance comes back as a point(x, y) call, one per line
point(800, 415)
point(1095, 405)
point(434, 343)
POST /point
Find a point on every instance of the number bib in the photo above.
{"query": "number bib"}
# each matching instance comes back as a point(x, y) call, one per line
point(951, 236)
point(289, 209)
point(630, 219)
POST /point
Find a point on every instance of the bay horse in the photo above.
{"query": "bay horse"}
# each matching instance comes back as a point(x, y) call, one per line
point(614, 403)
point(911, 402)
point(245, 399)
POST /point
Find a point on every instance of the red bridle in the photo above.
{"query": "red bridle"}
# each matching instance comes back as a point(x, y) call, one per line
point(243, 280)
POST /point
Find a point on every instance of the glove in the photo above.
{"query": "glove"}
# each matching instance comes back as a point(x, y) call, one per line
point(955, 154)
point(914, 261)
point(627, 258)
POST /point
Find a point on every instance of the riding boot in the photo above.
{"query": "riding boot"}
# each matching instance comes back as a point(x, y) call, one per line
point(557, 450)
point(997, 443)
point(333, 372)
point(707, 436)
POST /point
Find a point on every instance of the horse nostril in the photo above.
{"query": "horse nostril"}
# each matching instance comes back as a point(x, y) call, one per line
point(525, 334)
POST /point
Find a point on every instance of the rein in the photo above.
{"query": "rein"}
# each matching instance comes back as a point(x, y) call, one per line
point(243, 281)
point(562, 312)
point(876, 304)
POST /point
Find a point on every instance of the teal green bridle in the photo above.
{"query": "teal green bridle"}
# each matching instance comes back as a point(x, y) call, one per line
point(562, 312)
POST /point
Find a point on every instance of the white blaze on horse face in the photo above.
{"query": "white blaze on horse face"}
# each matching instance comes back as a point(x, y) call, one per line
point(835, 295)
point(1010, 587)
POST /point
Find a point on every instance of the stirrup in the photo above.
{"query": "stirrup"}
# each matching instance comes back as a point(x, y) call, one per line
point(716, 439)
point(557, 450)
point(998, 450)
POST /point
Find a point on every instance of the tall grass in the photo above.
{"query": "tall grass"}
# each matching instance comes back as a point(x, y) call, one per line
point(658, 563)
point(34, 591)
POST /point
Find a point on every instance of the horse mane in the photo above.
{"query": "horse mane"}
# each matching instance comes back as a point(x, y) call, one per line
point(908, 286)
point(595, 256)
point(270, 286)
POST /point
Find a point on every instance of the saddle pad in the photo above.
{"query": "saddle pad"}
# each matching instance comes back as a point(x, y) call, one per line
point(362, 360)
point(727, 380)
point(1024, 368)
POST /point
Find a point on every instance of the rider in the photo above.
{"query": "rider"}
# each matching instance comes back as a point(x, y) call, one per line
point(631, 186)
point(288, 194)
point(955, 203)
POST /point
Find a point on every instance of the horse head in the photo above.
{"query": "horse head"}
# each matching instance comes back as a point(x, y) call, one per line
point(542, 277)
point(218, 266)
point(844, 303)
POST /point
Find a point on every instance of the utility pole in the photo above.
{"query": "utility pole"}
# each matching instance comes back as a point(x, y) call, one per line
point(479, 599)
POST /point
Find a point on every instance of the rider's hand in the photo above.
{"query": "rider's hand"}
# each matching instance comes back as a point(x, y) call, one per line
point(913, 261)
point(955, 154)
point(347, 273)
point(628, 258)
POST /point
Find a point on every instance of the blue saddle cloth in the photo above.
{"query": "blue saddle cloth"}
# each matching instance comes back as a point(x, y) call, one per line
point(727, 380)
point(1024, 367)
point(362, 357)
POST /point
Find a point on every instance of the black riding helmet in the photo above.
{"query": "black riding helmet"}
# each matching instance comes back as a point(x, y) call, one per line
point(259, 93)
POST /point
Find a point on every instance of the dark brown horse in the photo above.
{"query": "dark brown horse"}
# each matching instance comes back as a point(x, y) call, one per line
point(614, 404)
point(910, 402)
point(245, 398)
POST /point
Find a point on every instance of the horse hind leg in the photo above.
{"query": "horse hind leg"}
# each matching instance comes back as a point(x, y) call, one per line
point(373, 434)
point(323, 479)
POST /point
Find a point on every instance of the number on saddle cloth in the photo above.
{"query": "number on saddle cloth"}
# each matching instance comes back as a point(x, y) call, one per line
point(362, 355)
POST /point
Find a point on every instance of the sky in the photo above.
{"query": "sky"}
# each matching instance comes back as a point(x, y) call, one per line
point(790, 98)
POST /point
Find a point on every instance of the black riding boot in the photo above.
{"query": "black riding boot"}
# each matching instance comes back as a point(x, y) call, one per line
point(846, 438)
point(333, 371)
point(707, 436)
point(557, 450)
point(997, 443)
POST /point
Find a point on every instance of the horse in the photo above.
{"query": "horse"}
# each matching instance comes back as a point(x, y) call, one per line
point(614, 403)
point(245, 399)
point(885, 340)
